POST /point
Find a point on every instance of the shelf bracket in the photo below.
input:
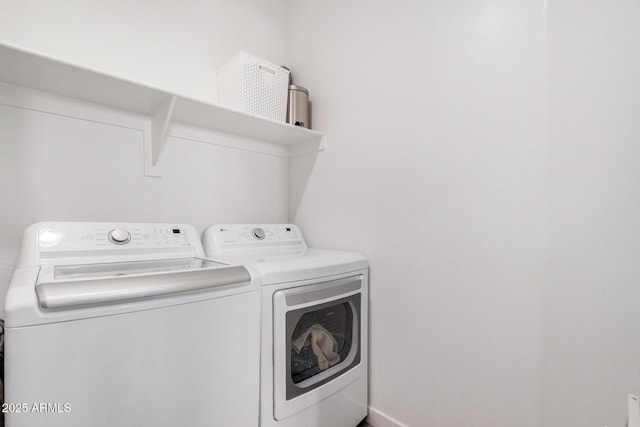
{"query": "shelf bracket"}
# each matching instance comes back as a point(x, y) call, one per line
point(304, 148)
point(159, 124)
point(154, 146)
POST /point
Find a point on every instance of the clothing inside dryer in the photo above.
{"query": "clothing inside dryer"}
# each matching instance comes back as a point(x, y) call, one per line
point(321, 339)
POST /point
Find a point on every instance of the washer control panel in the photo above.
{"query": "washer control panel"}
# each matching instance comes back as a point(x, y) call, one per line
point(83, 237)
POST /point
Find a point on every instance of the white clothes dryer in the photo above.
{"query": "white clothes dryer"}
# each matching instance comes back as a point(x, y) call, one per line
point(314, 324)
point(129, 325)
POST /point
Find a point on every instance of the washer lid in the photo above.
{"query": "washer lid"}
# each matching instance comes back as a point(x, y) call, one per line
point(107, 269)
point(76, 286)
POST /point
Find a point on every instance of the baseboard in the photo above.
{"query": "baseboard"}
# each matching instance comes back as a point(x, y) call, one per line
point(380, 419)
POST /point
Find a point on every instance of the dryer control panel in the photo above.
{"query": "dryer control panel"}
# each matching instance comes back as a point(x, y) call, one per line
point(225, 238)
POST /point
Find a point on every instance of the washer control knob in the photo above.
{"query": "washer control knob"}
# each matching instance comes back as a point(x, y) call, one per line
point(258, 233)
point(119, 236)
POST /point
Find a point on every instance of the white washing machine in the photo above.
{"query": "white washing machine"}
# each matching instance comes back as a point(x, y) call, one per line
point(314, 324)
point(129, 325)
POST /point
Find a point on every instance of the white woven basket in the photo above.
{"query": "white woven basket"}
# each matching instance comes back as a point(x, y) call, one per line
point(254, 85)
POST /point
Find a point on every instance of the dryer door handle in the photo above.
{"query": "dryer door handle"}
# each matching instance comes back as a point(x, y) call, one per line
point(322, 291)
point(112, 290)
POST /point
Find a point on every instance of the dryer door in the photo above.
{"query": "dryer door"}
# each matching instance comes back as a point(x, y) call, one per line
point(317, 342)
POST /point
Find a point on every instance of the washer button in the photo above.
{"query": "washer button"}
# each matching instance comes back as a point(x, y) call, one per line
point(119, 236)
point(258, 233)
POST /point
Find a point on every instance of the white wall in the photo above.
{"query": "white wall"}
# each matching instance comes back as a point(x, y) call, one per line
point(484, 156)
point(54, 167)
point(435, 170)
point(592, 298)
